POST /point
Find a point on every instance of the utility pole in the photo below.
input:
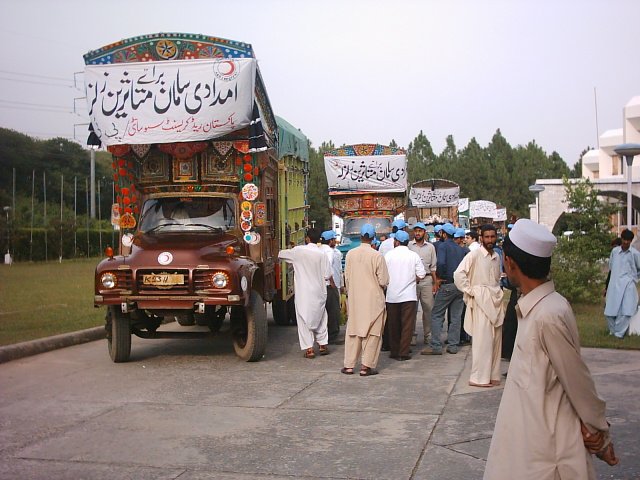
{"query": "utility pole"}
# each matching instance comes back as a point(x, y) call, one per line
point(93, 182)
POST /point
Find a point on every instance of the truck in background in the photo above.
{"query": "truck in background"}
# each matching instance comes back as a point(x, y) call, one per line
point(367, 184)
point(210, 186)
point(434, 200)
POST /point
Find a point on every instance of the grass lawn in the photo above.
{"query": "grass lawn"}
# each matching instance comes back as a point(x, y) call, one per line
point(594, 331)
point(42, 299)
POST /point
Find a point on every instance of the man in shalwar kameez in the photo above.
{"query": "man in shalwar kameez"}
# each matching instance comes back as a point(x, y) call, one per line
point(550, 418)
point(312, 270)
point(365, 277)
point(622, 294)
point(478, 278)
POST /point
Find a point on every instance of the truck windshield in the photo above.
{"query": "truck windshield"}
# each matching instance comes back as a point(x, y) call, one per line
point(352, 225)
point(188, 214)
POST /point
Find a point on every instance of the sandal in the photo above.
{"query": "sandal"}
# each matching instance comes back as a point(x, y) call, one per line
point(324, 350)
point(368, 371)
point(347, 371)
point(309, 353)
point(483, 385)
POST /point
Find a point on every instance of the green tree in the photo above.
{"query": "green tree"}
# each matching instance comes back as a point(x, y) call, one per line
point(578, 262)
point(420, 157)
point(318, 194)
point(576, 171)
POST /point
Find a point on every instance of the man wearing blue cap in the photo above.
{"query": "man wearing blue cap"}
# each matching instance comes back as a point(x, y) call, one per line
point(365, 278)
point(334, 285)
point(405, 269)
point(388, 245)
point(428, 286)
point(448, 297)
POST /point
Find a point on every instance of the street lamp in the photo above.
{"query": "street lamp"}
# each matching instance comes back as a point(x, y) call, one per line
point(537, 189)
point(628, 151)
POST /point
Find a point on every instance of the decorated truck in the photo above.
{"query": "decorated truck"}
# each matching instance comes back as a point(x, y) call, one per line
point(209, 185)
point(367, 184)
point(433, 201)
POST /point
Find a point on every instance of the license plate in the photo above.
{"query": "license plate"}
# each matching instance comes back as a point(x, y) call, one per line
point(163, 279)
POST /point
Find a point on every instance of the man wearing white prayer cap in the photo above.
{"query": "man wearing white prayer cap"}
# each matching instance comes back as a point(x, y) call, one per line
point(550, 418)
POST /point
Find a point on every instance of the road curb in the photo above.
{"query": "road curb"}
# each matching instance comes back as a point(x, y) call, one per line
point(34, 347)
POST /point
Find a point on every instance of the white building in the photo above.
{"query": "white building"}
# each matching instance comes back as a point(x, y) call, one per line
point(606, 170)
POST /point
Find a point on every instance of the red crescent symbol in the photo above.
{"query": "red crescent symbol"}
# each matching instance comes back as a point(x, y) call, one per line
point(232, 68)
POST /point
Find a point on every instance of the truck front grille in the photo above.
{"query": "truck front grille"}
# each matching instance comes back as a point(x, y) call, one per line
point(163, 281)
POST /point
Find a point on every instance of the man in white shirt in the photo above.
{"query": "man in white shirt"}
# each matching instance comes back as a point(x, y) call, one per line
point(388, 245)
point(471, 239)
point(312, 269)
point(333, 285)
point(405, 269)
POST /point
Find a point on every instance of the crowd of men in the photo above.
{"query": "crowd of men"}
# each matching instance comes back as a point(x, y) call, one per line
point(550, 419)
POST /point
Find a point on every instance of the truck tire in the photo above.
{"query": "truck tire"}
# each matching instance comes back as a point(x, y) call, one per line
point(249, 329)
point(118, 334)
point(280, 311)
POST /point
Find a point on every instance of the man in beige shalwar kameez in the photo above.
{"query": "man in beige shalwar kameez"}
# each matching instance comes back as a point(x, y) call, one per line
point(478, 278)
point(365, 277)
point(550, 418)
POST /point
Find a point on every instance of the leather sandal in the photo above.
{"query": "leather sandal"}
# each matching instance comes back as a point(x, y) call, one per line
point(323, 349)
point(309, 353)
point(347, 371)
point(368, 371)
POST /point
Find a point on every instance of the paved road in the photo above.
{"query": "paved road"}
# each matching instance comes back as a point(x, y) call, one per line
point(192, 410)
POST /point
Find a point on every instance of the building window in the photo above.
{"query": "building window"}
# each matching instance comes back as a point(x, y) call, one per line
point(616, 167)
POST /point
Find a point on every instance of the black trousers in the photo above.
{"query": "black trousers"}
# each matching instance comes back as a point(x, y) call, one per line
point(510, 326)
point(333, 313)
point(400, 318)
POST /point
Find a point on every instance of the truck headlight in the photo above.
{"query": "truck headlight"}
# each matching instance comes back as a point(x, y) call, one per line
point(219, 279)
point(108, 280)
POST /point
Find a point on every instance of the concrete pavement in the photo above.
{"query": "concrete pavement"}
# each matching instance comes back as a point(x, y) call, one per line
point(190, 409)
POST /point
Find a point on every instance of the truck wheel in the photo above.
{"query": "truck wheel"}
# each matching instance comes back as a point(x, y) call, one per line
point(249, 329)
point(118, 334)
point(280, 311)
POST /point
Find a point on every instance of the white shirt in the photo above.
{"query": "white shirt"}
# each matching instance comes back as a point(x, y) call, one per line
point(337, 267)
point(403, 266)
point(328, 251)
point(386, 246)
point(473, 246)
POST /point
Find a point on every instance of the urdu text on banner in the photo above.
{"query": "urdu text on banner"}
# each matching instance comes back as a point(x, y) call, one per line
point(482, 209)
point(437, 197)
point(367, 173)
point(501, 215)
point(164, 102)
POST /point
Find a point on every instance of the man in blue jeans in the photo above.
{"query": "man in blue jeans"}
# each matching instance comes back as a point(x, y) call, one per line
point(450, 254)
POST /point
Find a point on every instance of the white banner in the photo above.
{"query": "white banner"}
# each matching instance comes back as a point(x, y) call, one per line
point(165, 102)
point(367, 173)
point(463, 204)
point(482, 209)
point(439, 197)
point(501, 215)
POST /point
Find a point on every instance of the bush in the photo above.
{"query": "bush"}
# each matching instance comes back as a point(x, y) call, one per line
point(578, 268)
